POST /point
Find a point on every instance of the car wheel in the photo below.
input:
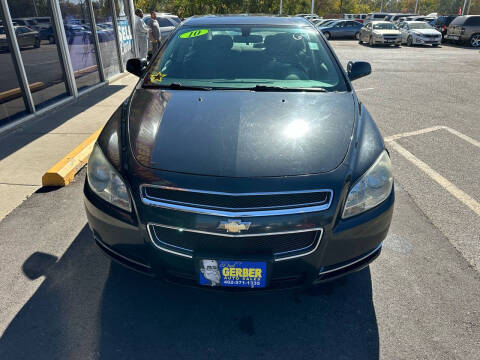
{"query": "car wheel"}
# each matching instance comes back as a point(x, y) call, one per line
point(434, 45)
point(370, 41)
point(37, 43)
point(397, 45)
point(409, 41)
point(51, 39)
point(357, 36)
point(327, 35)
point(475, 40)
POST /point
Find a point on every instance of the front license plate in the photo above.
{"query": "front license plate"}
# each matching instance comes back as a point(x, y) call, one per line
point(233, 273)
point(389, 41)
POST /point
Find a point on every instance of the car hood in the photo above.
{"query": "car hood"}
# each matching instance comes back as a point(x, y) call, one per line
point(240, 133)
point(387, 32)
point(425, 31)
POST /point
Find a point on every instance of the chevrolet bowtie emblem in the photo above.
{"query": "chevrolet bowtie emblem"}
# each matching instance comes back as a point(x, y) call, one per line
point(234, 226)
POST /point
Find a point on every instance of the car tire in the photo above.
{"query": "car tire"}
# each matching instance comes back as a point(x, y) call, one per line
point(434, 45)
point(37, 43)
point(327, 35)
point(357, 36)
point(409, 41)
point(475, 40)
point(397, 45)
point(370, 41)
point(51, 39)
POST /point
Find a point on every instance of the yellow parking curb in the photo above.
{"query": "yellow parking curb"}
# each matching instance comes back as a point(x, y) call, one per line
point(63, 172)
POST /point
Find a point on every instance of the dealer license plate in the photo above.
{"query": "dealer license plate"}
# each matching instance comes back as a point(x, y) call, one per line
point(232, 273)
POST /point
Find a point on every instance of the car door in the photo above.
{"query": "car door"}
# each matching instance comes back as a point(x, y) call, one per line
point(339, 29)
point(405, 32)
point(367, 29)
point(21, 39)
point(351, 28)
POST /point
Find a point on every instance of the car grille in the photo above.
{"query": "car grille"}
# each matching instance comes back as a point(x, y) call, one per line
point(390, 37)
point(216, 203)
point(280, 246)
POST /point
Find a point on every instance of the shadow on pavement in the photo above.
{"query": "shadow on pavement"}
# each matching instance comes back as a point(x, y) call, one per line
point(87, 308)
point(34, 129)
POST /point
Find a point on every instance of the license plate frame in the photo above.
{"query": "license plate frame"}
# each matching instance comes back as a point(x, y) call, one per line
point(226, 273)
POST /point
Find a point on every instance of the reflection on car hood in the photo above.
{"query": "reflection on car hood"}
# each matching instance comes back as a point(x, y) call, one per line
point(426, 31)
point(387, 32)
point(240, 133)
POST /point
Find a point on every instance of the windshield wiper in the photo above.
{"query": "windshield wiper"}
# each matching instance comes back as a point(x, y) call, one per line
point(177, 86)
point(259, 87)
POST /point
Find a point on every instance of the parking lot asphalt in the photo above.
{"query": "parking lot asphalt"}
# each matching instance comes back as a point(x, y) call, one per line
point(61, 298)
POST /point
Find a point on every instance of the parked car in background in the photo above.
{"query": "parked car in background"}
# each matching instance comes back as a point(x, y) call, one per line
point(442, 22)
point(342, 29)
point(380, 33)
point(47, 34)
point(375, 17)
point(465, 29)
point(29, 22)
point(25, 37)
point(419, 33)
point(396, 17)
point(167, 23)
point(324, 22)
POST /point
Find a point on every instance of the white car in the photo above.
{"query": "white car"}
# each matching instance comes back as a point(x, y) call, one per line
point(419, 33)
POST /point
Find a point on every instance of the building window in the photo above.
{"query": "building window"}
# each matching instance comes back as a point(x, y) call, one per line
point(81, 45)
point(41, 58)
point(106, 36)
point(12, 104)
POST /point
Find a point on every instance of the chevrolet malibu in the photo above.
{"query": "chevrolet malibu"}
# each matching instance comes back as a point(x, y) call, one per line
point(380, 32)
point(243, 158)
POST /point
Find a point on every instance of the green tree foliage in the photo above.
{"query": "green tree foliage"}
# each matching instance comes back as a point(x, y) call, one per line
point(187, 8)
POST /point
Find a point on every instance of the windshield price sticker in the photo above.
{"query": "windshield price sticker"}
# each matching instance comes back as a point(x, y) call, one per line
point(193, 33)
point(233, 273)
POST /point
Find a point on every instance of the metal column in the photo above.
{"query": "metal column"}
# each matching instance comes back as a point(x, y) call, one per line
point(117, 34)
point(132, 17)
point(17, 57)
point(97, 43)
point(63, 45)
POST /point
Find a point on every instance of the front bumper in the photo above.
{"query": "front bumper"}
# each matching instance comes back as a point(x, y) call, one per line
point(383, 41)
point(427, 41)
point(345, 245)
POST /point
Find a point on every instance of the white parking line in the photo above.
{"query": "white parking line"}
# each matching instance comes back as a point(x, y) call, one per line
point(413, 133)
point(366, 89)
point(463, 136)
point(443, 182)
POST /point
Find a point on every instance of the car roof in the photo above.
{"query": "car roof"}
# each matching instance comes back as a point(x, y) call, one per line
point(415, 22)
point(380, 22)
point(247, 20)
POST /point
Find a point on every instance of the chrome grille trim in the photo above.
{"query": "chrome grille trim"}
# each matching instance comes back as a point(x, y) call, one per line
point(273, 211)
point(277, 256)
point(353, 262)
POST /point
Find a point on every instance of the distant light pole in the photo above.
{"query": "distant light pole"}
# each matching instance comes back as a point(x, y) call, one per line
point(416, 7)
point(281, 5)
point(463, 8)
point(313, 5)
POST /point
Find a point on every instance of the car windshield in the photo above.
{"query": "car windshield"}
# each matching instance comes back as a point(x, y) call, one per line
point(384, 26)
point(233, 57)
point(420, 26)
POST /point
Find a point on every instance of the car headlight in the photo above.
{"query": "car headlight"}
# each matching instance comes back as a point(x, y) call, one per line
point(106, 182)
point(371, 189)
point(377, 35)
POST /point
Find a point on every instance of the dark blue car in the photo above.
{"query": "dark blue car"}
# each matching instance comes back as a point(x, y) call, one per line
point(342, 29)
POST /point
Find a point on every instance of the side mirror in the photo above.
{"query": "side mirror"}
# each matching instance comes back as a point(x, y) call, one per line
point(358, 69)
point(136, 66)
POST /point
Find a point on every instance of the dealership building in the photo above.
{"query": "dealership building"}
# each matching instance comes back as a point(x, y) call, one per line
point(53, 52)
